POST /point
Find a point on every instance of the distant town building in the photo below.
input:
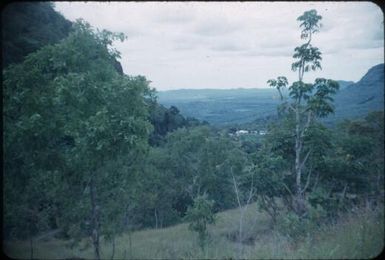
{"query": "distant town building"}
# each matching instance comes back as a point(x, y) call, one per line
point(241, 132)
point(248, 132)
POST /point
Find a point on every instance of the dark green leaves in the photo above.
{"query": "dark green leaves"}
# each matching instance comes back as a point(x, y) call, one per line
point(309, 22)
point(299, 90)
point(280, 83)
point(321, 102)
point(308, 58)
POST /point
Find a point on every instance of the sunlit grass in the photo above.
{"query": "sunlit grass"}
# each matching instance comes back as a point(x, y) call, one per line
point(358, 234)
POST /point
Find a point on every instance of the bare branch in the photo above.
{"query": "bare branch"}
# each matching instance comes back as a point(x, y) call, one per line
point(251, 194)
point(287, 188)
point(235, 187)
point(305, 159)
point(307, 124)
point(280, 94)
point(316, 181)
point(290, 106)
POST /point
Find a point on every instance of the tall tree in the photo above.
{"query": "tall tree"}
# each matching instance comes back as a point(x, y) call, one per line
point(307, 102)
point(74, 132)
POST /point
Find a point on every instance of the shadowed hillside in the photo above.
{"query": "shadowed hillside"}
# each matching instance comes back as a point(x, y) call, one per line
point(28, 26)
point(357, 99)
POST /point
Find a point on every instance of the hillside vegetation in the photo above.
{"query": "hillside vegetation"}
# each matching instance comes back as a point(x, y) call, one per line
point(356, 235)
point(94, 167)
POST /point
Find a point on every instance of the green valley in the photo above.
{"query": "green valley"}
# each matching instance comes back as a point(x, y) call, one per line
point(98, 164)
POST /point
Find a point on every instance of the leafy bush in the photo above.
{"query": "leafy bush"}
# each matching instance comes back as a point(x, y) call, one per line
point(296, 227)
point(200, 215)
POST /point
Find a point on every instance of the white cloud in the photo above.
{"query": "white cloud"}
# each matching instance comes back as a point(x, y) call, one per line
point(234, 44)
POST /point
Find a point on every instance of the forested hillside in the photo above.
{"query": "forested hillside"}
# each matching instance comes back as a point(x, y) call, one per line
point(27, 26)
point(91, 160)
point(344, 84)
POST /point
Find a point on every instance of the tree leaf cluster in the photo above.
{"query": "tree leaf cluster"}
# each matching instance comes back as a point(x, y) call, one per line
point(73, 126)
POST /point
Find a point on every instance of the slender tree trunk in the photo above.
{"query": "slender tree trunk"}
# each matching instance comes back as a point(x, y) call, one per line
point(298, 202)
point(94, 219)
point(299, 205)
point(241, 226)
point(280, 94)
point(242, 212)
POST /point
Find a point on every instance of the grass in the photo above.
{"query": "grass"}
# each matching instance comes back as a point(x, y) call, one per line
point(358, 234)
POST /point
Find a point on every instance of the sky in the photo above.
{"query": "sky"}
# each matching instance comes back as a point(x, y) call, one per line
point(195, 45)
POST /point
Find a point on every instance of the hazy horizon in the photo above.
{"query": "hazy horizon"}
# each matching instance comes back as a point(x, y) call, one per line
point(224, 45)
point(240, 88)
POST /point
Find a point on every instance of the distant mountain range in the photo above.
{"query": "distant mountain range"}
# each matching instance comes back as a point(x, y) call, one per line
point(344, 83)
point(358, 99)
point(237, 106)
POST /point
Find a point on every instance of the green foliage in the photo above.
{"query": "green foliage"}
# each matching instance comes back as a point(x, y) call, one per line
point(72, 124)
point(309, 23)
point(361, 153)
point(77, 159)
point(299, 113)
point(296, 227)
point(165, 121)
point(200, 215)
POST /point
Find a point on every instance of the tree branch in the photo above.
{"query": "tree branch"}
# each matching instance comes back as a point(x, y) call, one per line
point(235, 187)
point(280, 93)
point(251, 193)
point(287, 188)
point(307, 124)
point(308, 179)
point(305, 159)
point(290, 106)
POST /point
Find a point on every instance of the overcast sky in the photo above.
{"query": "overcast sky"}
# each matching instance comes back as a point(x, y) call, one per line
point(234, 44)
